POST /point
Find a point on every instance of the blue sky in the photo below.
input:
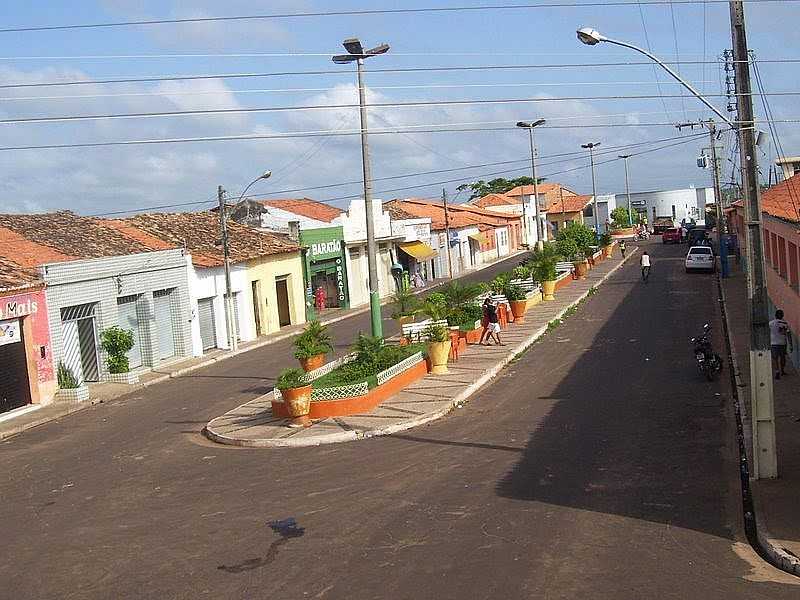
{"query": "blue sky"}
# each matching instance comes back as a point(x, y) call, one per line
point(103, 180)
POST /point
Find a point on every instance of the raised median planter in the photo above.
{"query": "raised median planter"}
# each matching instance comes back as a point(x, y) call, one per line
point(357, 398)
point(620, 234)
point(563, 280)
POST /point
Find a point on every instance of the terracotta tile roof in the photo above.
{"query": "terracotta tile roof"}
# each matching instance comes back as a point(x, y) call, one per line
point(569, 204)
point(783, 200)
point(396, 211)
point(305, 207)
point(14, 277)
point(527, 190)
point(60, 236)
point(495, 200)
point(198, 232)
point(461, 215)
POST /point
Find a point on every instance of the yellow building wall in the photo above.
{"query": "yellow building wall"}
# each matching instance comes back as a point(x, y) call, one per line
point(266, 271)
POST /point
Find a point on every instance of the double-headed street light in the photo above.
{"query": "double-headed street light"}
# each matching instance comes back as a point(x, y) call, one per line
point(230, 321)
point(591, 146)
point(539, 234)
point(357, 54)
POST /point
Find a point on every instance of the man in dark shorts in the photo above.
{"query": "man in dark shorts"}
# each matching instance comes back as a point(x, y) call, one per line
point(779, 337)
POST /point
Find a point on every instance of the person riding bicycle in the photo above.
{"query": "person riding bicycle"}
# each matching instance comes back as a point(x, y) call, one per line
point(645, 263)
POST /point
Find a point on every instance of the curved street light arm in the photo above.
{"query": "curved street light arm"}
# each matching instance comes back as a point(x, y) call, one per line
point(677, 77)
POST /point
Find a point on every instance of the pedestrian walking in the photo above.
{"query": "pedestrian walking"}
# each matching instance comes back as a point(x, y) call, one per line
point(645, 263)
point(622, 247)
point(491, 324)
point(780, 337)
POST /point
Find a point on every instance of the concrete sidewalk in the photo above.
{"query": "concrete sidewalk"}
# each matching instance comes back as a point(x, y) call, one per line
point(774, 500)
point(106, 391)
point(432, 397)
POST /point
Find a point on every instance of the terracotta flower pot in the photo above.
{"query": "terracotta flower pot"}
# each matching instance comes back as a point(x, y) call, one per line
point(549, 289)
point(298, 405)
point(312, 362)
point(405, 320)
point(608, 251)
point(581, 269)
point(518, 308)
point(438, 353)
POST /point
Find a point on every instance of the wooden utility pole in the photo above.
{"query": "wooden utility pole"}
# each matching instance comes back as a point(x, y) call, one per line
point(761, 395)
point(447, 233)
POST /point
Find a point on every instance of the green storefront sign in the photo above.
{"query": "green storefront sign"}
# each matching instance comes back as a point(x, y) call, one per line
point(324, 267)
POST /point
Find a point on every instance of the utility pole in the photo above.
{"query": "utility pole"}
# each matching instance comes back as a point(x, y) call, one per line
point(230, 322)
point(765, 463)
point(357, 54)
point(625, 157)
point(591, 146)
point(539, 230)
point(447, 233)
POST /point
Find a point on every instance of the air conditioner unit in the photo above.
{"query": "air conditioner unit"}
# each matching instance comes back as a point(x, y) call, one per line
point(702, 162)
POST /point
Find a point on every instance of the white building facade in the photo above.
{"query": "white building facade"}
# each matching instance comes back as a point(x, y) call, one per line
point(688, 204)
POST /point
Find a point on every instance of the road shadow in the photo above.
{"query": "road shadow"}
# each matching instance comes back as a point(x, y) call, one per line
point(633, 429)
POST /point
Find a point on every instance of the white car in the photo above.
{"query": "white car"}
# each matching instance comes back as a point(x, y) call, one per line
point(700, 258)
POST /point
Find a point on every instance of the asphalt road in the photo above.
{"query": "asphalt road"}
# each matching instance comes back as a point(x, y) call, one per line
point(600, 465)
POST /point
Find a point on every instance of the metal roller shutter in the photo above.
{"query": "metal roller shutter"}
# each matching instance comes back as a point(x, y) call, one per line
point(129, 319)
point(205, 317)
point(165, 327)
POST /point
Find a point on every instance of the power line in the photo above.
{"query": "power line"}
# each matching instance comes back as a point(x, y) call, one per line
point(342, 73)
point(655, 70)
point(292, 135)
point(677, 53)
point(579, 155)
point(273, 109)
point(363, 12)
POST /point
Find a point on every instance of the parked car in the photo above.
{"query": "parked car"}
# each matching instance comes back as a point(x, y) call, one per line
point(660, 224)
point(671, 236)
point(700, 258)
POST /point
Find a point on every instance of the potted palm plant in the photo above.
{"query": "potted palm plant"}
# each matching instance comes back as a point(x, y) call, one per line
point(311, 346)
point(406, 305)
point(519, 301)
point(543, 268)
point(296, 394)
point(438, 348)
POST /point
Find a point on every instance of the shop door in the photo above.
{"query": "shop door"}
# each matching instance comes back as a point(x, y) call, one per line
point(14, 385)
point(205, 318)
point(80, 342)
point(282, 291)
point(327, 281)
point(165, 328)
point(129, 319)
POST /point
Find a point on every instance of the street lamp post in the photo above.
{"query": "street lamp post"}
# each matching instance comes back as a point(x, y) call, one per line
point(230, 321)
point(761, 394)
point(625, 157)
point(539, 233)
point(591, 146)
point(357, 54)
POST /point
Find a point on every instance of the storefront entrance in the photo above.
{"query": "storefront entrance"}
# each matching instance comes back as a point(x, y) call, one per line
point(15, 390)
point(80, 342)
point(324, 275)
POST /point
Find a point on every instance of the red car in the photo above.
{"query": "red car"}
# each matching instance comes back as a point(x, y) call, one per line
point(672, 235)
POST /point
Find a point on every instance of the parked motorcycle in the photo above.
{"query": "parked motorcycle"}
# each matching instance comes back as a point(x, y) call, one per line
point(708, 361)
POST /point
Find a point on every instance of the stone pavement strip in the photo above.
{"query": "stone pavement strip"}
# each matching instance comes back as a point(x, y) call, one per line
point(432, 397)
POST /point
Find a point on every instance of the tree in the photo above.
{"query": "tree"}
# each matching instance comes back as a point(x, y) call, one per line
point(620, 217)
point(499, 185)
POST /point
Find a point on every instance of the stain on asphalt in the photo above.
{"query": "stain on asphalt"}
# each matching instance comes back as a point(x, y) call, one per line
point(287, 529)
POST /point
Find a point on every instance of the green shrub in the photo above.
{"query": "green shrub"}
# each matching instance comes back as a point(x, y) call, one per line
point(499, 283)
point(583, 236)
point(620, 217)
point(66, 378)
point(514, 293)
point(291, 378)
point(370, 360)
point(437, 333)
point(436, 306)
point(521, 272)
point(117, 342)
point(606, 239)
point(405, 303)
point(315, 339)
point(568, 250)
point(465, 316)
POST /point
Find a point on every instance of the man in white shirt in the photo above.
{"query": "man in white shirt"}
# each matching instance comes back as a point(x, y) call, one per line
point(779, 338)
point(645, 263)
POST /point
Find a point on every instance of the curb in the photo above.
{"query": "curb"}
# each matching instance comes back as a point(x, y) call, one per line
point(68, 410)
point(765, 545)
point(458, 400)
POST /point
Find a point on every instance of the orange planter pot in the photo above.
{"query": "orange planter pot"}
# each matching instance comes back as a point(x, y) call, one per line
point(581, 269)
point(297, 401)
point(312, 362)
point(502, 316)
point(473, 336)
point(518, 308)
